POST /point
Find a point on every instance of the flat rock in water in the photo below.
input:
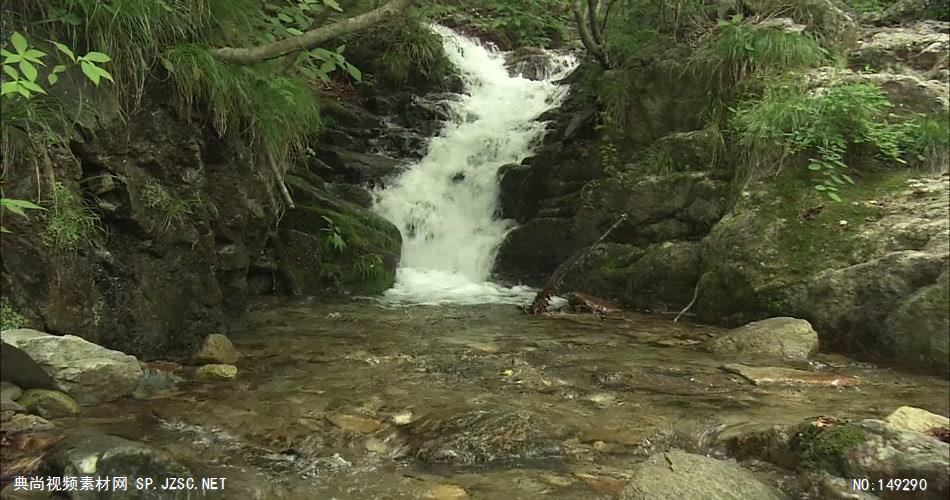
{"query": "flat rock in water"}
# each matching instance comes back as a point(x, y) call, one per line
point(774, 375)
point(23, 422)
point(354, 423)
point(781, 337)
point(88, 372)
point(916, 419)
point(49, 404)
point(446, 492)
point(216, 372)
point(217, 349)
point(677, 474)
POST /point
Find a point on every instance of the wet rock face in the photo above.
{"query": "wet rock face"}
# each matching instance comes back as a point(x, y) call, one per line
point(677, 474)
point(177, 213)
point(478, 437)
point(528, 62)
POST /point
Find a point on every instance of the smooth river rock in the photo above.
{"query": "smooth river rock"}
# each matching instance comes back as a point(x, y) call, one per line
point(216, 372)
point(782, 337)
point(49, 404)
point(86, 371)
point(916, 419)
point(217, 349)
point(685, 476)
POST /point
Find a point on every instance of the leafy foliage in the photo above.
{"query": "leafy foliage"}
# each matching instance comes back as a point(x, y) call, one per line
point(541, 23)
point(402, 52)
point(827, 126)
point(332, 236)
point(9, 317)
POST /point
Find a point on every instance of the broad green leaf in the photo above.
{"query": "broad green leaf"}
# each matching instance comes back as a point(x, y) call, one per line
point(25, 92)
point(333, 5)
point(13, 58)
point(327, 67)
point(28, 70)
point(19, 42)
point(97, 57)
point(59, 68)
point(814, 166)
point(36, 56)
point(820, 187)
point(5, 53)
point(33, 87)
point(65, 50)
point(52, 78)
point(9, 88)
point(11, 71)
point(285, 18)
point(354, 72)
point(91, 72)
point(294, 31)
point(834, 196)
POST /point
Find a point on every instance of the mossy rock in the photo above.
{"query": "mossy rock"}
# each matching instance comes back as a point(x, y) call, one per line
point(825, 449)
point(328, 243)
point(49, 404)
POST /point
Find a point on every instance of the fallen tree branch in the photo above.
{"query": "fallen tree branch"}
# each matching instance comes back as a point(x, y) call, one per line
point(284, 193)
point(314, 37)
point(543, 299)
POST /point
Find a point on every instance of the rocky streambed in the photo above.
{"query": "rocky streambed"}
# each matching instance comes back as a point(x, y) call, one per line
point(357, 400)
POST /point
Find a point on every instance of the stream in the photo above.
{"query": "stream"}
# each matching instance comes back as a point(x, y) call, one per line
point(442, 381)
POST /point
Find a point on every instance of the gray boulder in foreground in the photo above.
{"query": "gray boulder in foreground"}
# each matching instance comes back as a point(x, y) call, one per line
point(88, 372)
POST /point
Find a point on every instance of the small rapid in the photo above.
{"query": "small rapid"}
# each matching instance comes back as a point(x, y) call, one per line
point(446, 205)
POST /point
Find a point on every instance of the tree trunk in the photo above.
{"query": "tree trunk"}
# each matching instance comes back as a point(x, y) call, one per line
point(584, 25)
point(252, 55)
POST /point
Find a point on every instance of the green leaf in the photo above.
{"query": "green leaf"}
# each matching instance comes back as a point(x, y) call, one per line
point(97, 57)
point(354, 72)
point(814, 166)
point(834, 196)
point(65, 50)
point(9, 87)
point(6, 53)
point(33, 87)
point(820, 187)
point(11, 71)
point(28, 70)
point(333, 5)
point(34, 55)
point(848, 178)
point(52, 78)
point(294, 31)
point(19, 42)
point(327, 67)
point(18, 206)
point(59, 68)
point(91, 72)
point(285, 18)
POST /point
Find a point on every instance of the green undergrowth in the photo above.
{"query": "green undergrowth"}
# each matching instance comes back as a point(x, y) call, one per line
point(539, 23)
point(738, 49)
point(402, 53)
point(70, 223)
point(825, 449)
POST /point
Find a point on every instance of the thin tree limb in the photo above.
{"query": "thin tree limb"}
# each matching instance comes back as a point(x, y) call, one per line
point(695, 296)
point(314, 37)
point(593, 9)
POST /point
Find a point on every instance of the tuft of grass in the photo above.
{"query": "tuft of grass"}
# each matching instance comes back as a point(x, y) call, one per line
point(831, 126)
point(70, 223)
point(928, 141)
point(739, 49)
point(405, 51)
point(277, 113)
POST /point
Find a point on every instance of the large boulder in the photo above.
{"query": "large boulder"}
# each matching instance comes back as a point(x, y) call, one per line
point(326, 243)
point(868, 273)
point(920, 49)
point(891, 451)
point(917, 419)
point(780, 337)
point(88, 372)
point(677, 474)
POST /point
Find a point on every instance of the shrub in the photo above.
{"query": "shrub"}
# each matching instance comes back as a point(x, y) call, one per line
point(70, 223)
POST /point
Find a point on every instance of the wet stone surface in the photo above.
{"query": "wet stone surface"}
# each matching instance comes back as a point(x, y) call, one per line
point(354, 400)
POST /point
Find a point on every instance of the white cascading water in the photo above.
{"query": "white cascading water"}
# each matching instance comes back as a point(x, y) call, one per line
point(445, 206)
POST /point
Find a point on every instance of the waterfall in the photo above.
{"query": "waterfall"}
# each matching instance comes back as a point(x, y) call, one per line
point(446, 205)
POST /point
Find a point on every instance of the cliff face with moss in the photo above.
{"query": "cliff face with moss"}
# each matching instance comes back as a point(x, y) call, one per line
point(773, 162)
point(164, 211)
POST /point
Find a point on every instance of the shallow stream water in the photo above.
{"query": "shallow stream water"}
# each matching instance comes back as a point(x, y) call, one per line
point(607, 391)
